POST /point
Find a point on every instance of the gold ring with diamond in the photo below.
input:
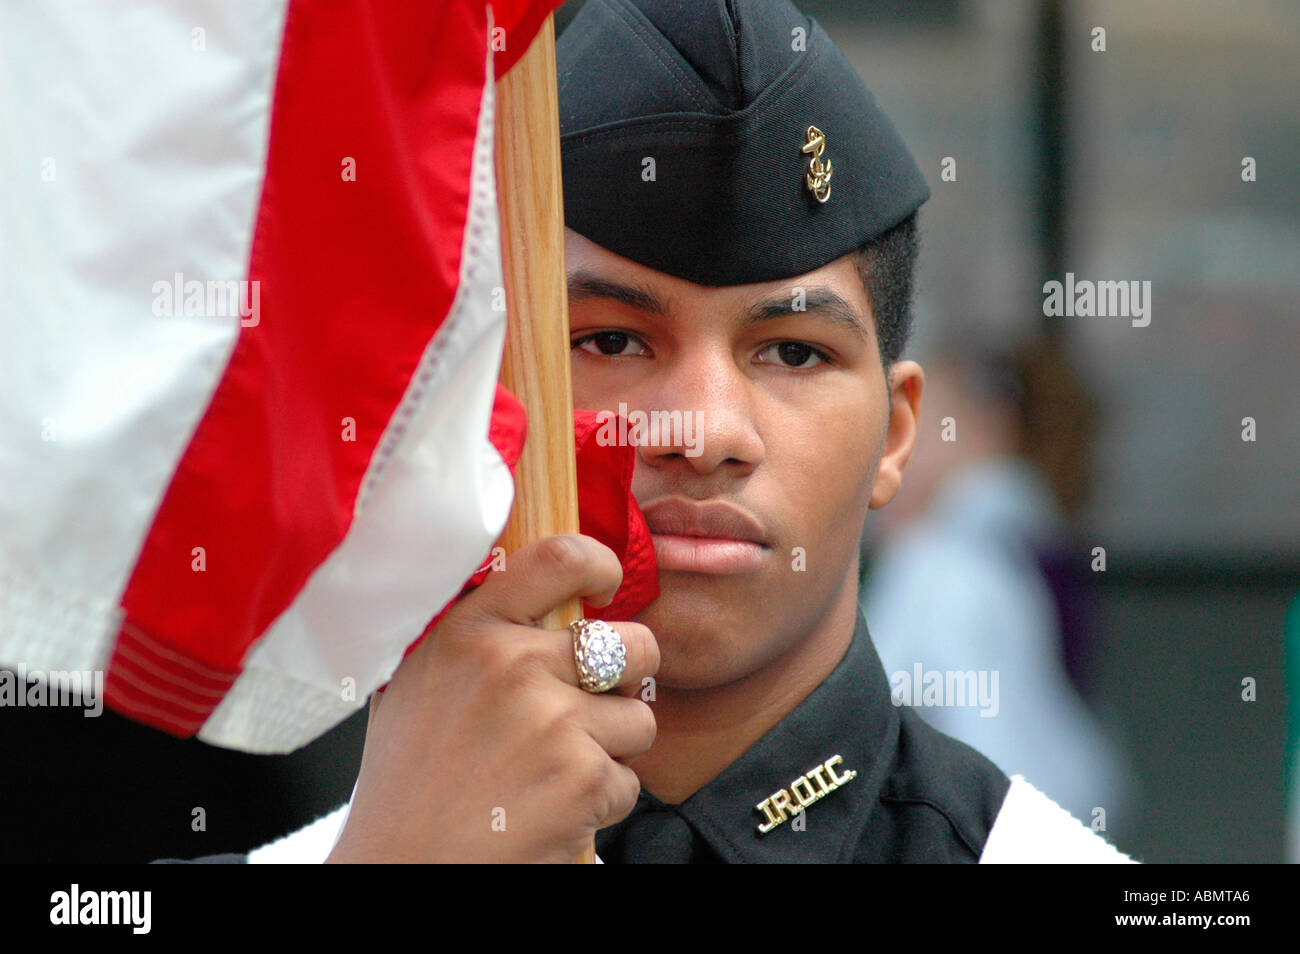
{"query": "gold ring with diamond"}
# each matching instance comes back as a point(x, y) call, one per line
point(598, 654)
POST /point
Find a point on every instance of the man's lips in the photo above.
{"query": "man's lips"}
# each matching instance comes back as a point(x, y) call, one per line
point(713, 537)
point(707, 554)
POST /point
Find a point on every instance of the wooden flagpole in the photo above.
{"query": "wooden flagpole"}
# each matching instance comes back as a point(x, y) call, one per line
point(535, 366)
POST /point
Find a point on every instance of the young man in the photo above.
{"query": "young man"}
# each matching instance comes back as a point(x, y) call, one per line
point(740, 249)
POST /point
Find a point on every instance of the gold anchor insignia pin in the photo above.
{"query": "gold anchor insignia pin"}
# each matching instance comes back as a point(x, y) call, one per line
point(802, 792)
point(819, 173)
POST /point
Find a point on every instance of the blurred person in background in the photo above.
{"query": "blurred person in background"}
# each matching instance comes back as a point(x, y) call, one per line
point(977, 572)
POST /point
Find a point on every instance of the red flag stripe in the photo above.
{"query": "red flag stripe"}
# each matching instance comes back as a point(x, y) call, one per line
point(355, 277)
point(147, 670)
point(153, 653)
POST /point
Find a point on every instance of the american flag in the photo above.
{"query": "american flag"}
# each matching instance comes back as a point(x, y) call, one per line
point(251, 438)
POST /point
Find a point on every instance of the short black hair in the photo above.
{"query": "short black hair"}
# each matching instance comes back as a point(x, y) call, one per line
point(887, 267)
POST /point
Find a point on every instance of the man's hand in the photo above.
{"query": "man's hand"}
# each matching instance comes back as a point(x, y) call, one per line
point(483, 748)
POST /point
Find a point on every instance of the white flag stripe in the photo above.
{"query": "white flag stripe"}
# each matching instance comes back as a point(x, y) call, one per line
point(111, 116)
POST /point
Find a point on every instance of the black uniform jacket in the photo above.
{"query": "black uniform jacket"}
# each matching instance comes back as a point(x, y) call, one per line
point(896, 789)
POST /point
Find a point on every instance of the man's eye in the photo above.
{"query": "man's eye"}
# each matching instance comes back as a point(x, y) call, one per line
point(608, 343)
point(795, 354)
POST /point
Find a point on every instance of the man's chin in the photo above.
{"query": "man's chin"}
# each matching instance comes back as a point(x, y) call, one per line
point(704, 641)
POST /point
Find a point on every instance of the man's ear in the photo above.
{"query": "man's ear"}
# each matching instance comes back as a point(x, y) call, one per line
point(906, 382)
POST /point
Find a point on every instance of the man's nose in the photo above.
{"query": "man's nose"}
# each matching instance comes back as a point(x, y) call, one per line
point(716, 426)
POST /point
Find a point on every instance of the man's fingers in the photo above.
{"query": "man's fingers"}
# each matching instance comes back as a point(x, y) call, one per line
point(641, 648)
point(625, 728)
point(546, 573)
point(624, 789)
point(642, 653)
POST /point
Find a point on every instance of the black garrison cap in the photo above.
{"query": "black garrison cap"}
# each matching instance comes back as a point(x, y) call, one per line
point(683, 127)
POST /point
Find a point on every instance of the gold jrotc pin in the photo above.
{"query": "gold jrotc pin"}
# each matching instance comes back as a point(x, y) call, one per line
point(802, 793)
point(819, 173)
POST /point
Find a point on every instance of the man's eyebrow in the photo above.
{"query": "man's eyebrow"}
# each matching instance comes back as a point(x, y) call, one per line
point(585, 285)
point(819, 300)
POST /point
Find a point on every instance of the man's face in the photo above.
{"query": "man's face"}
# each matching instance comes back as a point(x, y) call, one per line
point(772, 487)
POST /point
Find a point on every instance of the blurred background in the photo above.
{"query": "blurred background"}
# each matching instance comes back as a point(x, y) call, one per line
point(1118, 164)
point(1122, 164)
